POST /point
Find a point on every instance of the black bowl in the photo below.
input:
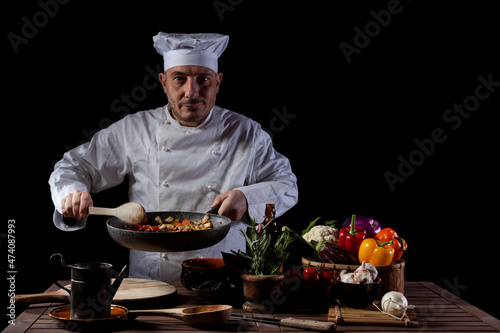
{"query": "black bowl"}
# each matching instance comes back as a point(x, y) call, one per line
point(211, 280)
point(359, 296)
point(198, 271)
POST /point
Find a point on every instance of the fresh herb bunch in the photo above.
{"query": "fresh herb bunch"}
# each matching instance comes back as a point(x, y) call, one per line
point(262, 258)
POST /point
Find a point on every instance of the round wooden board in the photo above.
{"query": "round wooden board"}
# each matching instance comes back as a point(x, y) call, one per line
point(142, 289)
point(132, 294)
point(143, 293)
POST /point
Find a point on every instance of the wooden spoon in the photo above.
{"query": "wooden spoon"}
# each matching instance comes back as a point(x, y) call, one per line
point(193, 315)
point(130, 213)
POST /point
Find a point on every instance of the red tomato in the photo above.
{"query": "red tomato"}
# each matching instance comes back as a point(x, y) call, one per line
point(311, 276)
point(326, 277)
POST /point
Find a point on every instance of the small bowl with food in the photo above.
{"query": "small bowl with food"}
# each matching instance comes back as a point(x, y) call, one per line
point(359, 288)
point(211, 279)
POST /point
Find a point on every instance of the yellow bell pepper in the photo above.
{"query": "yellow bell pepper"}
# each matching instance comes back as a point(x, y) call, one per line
point(375, 252)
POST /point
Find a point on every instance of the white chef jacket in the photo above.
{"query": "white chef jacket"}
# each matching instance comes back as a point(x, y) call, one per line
point(173, 167)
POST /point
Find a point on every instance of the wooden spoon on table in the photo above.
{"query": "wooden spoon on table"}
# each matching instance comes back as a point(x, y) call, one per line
point(193, 315)
point(130, 213)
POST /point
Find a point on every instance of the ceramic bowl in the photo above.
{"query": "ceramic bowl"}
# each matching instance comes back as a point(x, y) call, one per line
point(210, 279)
point(359, 296)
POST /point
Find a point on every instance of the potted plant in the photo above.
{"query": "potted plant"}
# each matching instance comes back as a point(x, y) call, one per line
point(259, 268)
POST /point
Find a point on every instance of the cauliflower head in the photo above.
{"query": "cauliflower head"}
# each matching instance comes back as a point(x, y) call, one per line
point(321, 233)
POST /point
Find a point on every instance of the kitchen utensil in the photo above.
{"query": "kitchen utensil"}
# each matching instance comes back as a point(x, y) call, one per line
point(170, 241)
point(133, 294)
point(312, 325)
point(193, 315)
point(91, 289)
point(130, 213)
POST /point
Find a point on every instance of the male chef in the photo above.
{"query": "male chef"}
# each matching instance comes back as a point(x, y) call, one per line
point(189, 155)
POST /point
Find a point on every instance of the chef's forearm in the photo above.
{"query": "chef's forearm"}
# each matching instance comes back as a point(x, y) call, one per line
point(283, 194)
point(65, 179)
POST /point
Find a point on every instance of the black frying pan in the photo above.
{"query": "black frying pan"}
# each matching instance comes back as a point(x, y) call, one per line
point(170, 241)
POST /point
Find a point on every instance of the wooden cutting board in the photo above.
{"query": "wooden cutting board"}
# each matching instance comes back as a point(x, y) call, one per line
point(344, 315)
point(132, 294)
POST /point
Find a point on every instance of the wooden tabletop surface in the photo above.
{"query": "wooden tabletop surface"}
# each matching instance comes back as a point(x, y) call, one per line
point(437, 310)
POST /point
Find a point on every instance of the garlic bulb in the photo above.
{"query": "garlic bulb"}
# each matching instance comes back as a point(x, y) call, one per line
point(347, 277)
point(366, 273)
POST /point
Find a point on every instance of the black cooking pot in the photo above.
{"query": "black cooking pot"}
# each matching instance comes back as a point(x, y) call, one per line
point(170, 241)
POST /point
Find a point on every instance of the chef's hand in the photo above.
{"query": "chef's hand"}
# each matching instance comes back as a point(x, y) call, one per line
point(234, 204)
point(75, 204)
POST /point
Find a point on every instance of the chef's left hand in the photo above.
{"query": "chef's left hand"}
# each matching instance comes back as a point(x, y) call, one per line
point(234, 204)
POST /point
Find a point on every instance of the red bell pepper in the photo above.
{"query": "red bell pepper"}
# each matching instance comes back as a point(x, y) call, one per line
point(399, 245)
point(350, 238)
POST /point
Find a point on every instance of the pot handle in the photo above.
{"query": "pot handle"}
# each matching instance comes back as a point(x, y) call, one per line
point(63, 263)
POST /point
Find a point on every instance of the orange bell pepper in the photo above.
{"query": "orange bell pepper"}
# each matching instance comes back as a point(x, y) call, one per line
point(376, 252)
point(399, 246)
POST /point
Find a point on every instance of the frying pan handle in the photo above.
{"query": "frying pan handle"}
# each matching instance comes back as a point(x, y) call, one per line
point(213, 210)
point(246, 220)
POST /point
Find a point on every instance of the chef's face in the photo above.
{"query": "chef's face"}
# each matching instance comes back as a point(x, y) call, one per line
point(191, 92)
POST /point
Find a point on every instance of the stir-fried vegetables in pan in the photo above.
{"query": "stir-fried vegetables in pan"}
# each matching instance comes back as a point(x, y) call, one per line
point(173, 225)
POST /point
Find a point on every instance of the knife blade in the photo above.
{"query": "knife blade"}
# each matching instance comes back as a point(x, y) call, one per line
point(312, 325)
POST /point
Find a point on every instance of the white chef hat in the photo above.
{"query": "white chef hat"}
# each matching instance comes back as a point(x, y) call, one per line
point(202, 49)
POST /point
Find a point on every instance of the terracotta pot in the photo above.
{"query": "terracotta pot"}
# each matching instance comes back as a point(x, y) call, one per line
point(262, 292)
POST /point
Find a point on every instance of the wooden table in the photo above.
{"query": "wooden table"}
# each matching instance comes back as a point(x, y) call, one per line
point(437, 309)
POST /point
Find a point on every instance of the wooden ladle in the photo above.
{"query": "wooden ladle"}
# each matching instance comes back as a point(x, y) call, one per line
point(193, 315)
point(130, 213)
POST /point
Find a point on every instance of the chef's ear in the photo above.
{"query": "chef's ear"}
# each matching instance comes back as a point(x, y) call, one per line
point(219, 79)
point(163, 81)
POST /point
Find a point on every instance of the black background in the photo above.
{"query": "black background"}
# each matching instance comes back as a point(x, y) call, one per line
point(348, 122)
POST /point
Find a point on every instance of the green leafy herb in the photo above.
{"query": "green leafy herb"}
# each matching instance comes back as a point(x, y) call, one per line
point(331, 223)
point(310, 226)
point(262, 257)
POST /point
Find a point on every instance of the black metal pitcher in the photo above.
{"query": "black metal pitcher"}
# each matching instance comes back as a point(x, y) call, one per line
point(91, 289)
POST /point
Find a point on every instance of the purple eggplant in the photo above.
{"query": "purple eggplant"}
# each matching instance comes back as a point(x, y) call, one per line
point(371, 226)
point(337, 255)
